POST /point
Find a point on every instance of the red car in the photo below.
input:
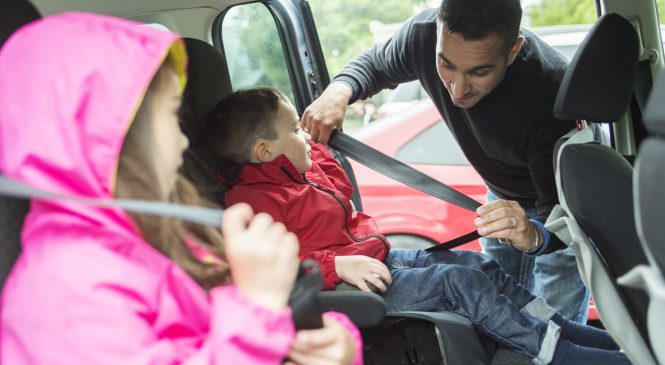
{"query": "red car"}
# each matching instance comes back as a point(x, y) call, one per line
point(410, 218)
point(407, 216)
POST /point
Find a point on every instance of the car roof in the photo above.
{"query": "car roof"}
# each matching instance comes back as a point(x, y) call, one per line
point(127, 8)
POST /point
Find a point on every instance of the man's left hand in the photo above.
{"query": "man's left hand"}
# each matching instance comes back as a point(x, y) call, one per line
point(506, 220)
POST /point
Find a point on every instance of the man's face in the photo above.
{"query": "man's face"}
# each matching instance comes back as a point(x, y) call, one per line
point(470, 69)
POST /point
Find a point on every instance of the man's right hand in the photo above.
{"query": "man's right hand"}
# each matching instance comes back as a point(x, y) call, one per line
point(327, 112)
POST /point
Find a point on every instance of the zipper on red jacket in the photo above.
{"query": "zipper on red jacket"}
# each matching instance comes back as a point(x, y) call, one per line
point(341, 202)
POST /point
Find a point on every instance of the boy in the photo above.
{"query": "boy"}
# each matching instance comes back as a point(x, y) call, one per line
point(299, 183)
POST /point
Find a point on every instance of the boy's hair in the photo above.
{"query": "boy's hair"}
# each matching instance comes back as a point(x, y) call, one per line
point(477, 19)
point(239, 120)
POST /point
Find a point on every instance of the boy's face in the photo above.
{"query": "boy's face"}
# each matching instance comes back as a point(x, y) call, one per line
point(291, 141)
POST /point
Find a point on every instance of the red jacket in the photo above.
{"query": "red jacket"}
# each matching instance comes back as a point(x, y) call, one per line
point(315, 207)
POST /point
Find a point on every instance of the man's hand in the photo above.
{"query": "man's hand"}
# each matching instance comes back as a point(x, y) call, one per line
point(359, 270)
point(327, 112)
point(506, 219)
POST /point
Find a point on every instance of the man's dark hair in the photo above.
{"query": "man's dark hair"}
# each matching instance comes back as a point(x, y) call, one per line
point(238, 120)
point(477, 19)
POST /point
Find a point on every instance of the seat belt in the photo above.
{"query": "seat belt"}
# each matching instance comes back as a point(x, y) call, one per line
point(200, 215)
point(399, 171)
point(305, 304)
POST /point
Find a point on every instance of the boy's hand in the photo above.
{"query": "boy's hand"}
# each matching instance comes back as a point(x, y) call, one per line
point(330, 345)
point(359, 270)
point(262, 255)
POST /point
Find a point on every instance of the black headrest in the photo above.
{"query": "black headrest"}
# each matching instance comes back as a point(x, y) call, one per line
point(208, 81)
point(13, 15)
point(654, 116)
point(598, 84)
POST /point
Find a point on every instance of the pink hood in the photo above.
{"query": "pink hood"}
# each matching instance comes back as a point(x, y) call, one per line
point(73, 85)
point(86, 288)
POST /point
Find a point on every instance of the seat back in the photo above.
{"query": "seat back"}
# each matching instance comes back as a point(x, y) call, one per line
point(650, 174)
point(208, 81)
point(594, 181)
point(649, 211)
point(13, 15)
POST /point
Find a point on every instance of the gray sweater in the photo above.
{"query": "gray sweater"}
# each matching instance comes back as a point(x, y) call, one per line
point(508, 136)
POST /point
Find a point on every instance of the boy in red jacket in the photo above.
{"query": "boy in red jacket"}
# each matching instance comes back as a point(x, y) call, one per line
point(299, 183)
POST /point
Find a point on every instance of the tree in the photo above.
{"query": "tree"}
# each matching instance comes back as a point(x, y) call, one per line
point(343, 25)
point(556, 12)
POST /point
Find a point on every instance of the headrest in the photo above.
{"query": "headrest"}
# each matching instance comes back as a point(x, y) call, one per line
point(13, 15)
point(598, 84)
point(208, 82)
point(654, 116)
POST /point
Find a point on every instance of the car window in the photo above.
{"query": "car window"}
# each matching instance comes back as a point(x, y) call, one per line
point(405, 92)
point(157, 26)
point(433, 146)
point(253, 49)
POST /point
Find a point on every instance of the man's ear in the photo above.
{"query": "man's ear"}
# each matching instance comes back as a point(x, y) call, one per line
point(261, 151)
point(515, 49)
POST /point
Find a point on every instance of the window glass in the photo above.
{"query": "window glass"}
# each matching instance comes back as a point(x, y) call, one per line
point(254, 50)
point(156, 26)
point(433, 146)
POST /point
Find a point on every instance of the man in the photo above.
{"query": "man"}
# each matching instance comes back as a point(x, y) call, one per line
point(495, 86)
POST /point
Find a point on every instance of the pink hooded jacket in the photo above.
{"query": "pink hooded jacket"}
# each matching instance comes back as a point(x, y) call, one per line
point(87, 289)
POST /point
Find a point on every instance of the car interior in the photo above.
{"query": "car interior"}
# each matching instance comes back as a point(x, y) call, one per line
point(594, 181)
point(610, 196)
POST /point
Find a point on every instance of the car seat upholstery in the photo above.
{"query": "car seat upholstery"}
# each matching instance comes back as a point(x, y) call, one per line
point(208, 81)
point(13, 15)
point(594, 181)
point(649, 210)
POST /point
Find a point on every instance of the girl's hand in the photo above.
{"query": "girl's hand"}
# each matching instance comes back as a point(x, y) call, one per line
point(330, 345)
point(262, 255)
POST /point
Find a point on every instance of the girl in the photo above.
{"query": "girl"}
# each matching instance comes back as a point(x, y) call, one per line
point(101, 286)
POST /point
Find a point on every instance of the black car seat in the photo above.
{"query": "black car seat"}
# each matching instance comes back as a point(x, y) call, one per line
point(649, 212)
point(594, 181)
point(393, 338)
point(13, 15)
point(207, 82)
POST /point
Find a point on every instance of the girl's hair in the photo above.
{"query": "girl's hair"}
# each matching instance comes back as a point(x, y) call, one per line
point(137, 176)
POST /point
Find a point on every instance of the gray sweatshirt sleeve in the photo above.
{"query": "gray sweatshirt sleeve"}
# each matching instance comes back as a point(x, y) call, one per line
point(385, 65)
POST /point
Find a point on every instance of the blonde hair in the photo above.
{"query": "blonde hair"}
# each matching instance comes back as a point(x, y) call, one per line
point(137, 176)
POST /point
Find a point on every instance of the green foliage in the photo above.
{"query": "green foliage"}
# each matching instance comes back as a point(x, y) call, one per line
point(256, 58)
point(556, 12)
point(343, 25)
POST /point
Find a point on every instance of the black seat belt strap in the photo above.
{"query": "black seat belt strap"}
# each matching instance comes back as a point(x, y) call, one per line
point(399, 171)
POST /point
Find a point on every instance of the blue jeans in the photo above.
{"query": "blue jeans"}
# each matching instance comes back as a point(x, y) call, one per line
point(554, 276)
point(473, 285)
